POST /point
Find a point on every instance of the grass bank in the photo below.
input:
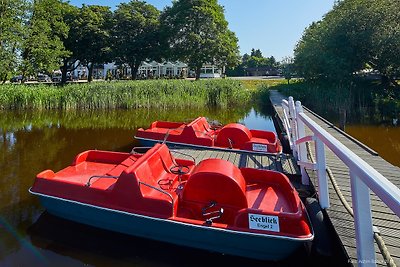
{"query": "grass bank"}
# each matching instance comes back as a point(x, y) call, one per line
point(254, 85)
point(126, 94)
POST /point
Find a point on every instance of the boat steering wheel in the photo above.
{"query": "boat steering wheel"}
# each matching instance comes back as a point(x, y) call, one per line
point(215, 127)
point(179, 169)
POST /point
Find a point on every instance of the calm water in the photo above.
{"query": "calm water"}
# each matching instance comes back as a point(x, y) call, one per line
point(381, 136)
point(32, 142)
point(384, 139)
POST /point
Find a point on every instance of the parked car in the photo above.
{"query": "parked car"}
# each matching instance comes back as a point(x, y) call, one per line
point(43, 78)
point(71, 77)
point(16, 79)
point(56, 78)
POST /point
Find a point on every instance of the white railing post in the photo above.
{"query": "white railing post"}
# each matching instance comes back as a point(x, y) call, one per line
point(323, 189)
point(293, 134)
point(362, 221)
point(286, 108)
point(286, 120)
point(302, 151)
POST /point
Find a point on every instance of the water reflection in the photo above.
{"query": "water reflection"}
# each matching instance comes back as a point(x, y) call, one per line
point(104, 248)
point(33, 141)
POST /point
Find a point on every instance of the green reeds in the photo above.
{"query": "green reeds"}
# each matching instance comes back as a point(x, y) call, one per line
point(125, 94)
point(363, 100)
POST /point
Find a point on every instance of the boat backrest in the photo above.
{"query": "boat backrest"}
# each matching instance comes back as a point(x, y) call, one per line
point(201, 128)
point(153, 166)
point(204, 124)
point(195, 125)
point(194, 121)
point(218, 181)
point(233, 134)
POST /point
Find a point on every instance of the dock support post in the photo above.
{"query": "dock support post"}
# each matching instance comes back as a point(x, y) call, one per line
point(323, 188)
point(302, 150)
point(362, 221)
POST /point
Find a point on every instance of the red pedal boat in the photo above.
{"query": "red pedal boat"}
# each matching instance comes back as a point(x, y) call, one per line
point(213, 205)
point(200, 133)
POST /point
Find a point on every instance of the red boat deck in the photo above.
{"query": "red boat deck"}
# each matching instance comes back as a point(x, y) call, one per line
point(267, 198)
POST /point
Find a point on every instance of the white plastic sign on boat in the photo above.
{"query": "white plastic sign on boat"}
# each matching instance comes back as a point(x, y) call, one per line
point(260, 147)
point(264, 222)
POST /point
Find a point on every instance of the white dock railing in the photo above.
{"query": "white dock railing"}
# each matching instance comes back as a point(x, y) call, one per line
point(362, 176)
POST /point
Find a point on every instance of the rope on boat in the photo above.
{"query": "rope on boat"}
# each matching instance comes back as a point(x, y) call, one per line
point(377, 235)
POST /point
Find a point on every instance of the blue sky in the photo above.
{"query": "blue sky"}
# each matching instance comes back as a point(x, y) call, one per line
point(273, 26)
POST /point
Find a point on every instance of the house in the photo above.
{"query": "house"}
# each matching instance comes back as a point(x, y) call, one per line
point(210, 71)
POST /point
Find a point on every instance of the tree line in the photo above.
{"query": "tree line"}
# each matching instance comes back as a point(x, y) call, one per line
point(255, 60)
point(355, 35)
point(46, 35)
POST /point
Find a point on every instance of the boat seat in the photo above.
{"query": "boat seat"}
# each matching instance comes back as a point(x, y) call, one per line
point(167, 125)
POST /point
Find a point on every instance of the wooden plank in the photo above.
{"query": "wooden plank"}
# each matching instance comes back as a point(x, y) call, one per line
point(376, 211)
point(269, 164)
point(236, 158)
point(381, 222)
point(227, 156)
point(287, 165)
point(341, 224)
point(346, 230)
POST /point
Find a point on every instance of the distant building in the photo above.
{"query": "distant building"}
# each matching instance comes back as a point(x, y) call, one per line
point(210, 71)
point(149, 69)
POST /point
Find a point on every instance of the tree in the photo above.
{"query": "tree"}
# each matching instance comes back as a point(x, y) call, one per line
point(42, 47)
point(136, 33)
point(197, 33)
point(355, 35)
point(256, 53)
point(311, 57)
point(386, 39)
point(70, 61)
point(254, 60)
point(246, 57)
point(13, 14)
point(287, 68)
point(93, 41)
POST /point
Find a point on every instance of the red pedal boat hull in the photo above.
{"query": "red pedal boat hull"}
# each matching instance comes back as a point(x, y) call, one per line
point(212, 205)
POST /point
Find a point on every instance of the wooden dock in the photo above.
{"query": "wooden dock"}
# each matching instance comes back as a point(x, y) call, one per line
point(387, 222)
point(282, 163)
